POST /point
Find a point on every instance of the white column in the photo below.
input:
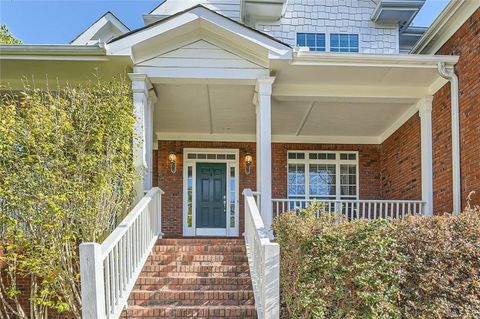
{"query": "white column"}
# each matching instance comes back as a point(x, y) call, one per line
point(263, 108)
point(142, 144)
point(425, 113)
point(150, 138)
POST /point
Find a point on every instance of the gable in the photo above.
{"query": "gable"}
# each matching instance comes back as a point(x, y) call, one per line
point(200, 54)
point(104, 29)
point(198, 22)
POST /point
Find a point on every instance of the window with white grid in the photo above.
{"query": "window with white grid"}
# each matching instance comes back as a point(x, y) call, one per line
point(322, 175)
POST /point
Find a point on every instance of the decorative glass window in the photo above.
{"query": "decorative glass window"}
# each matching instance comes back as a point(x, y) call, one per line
point(343, 42)
point(314, 41)
point(232, 197)
point(323, 175)
point(189, 197)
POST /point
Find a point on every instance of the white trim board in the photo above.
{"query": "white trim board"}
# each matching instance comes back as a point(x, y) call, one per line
point(230, 163)
point(205, 137)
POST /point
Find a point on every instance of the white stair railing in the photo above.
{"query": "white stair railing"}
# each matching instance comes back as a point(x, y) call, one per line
point(263, 259)
point(109, 270)
point(355, 209)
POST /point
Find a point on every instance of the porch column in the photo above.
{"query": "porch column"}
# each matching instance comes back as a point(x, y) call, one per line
point(263, 108)
point(143, 130)
point(425, 113)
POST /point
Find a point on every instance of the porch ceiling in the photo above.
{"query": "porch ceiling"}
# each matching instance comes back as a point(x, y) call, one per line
point(226, 112)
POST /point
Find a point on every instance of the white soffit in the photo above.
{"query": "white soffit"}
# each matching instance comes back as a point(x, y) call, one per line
point(200, 20)
point(359, 75)
point(104, 29)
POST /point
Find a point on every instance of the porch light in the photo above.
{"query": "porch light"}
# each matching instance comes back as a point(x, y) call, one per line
point(248, 162)
point(172, 157)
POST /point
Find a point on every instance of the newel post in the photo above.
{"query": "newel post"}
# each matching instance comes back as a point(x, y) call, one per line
point(92, 281)
point(271, 288)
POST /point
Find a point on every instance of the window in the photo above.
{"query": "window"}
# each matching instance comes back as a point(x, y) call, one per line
point(314, 41)
point(343, 42)
point(323, 175)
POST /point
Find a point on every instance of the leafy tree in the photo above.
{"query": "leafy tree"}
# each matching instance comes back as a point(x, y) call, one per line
point(6, 37)
point(67, 177)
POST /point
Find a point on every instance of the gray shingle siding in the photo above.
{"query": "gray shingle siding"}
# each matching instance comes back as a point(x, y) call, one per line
point(334, 16)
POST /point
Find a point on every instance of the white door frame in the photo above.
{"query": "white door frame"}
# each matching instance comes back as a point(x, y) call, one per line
point(211, 155)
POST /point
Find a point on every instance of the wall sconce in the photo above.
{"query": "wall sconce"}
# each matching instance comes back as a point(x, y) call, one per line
point(248, 162)
point(172, 157)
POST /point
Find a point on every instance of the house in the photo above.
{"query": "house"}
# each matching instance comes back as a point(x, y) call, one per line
point(299, 101)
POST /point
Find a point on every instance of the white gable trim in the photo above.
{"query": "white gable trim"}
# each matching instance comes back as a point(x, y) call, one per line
point(210, 22)
point(101, 23)
point(445, 25)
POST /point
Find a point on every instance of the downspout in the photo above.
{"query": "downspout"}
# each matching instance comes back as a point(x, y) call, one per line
point(450, 75)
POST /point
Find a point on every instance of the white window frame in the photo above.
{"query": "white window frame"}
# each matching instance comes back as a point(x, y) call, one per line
point(340, 34)
point(306, 46)
point(337, 161)
point(193, 231)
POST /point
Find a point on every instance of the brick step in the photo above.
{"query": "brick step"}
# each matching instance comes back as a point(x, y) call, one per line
point(202, 278)
point(198, 241)
point(199, 248)
point(185, 257)
point(185, 281)
point(191, 298)
point(195, 268)
point(211, 312)
point(195, 263)
point(156, 287)
point(193, 274)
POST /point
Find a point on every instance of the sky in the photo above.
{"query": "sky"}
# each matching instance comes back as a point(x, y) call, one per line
point(57, 22)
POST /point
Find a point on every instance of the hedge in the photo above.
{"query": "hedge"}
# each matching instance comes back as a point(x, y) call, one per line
point(66, 176)
point(419, 267)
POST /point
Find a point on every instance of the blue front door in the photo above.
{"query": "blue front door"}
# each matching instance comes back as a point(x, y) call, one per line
point(211, 195)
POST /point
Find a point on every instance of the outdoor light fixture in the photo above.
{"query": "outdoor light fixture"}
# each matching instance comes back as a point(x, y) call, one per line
point(248, 162)
point(172, 157)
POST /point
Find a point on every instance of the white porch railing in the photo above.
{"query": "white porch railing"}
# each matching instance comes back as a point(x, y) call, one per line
point(109, 270)
point(264, 261)
point(354, 209)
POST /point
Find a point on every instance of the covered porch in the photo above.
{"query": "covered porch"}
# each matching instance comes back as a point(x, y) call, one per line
point(362, 147)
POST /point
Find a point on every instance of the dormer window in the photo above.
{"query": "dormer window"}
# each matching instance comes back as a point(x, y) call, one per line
point(343, 42)
point(314, 41)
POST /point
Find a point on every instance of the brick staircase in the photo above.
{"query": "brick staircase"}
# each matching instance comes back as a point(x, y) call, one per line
point(201, 278)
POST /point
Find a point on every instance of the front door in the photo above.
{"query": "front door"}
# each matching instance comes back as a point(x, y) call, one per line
point(211, 199)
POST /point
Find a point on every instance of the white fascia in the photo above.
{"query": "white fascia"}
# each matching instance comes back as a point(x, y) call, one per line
point(59, 52)
point(372, 60)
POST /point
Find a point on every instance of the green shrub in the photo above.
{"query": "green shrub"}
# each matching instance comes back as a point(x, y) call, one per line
point(66, 176)
point(416, 268)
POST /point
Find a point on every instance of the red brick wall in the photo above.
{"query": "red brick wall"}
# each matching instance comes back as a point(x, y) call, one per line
point(172, 184)
point(466, 44)
point(442, 151)
point(401, 162)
